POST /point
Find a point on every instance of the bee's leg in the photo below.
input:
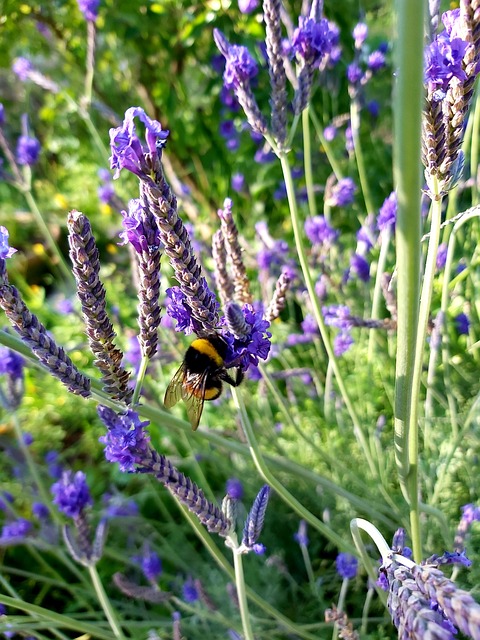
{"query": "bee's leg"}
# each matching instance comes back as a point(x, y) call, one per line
point(233, 381)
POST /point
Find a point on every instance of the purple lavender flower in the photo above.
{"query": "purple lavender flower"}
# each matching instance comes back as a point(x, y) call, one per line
point(342, 343)
point(28, 148)
point(127, 150)
point(462, 324)
point(443, 61)
point(40, 511)
point(139, 229)
point(179, 311)
point(330, 133)
point(11, 363)
point(55, 469)
point(71, 493)
point(126, 441)
point(342, 194)
point(255, 345)
point(22, 68)
point(301, 535)
point(238, 182)
point(319, 232)
point(354, 73)
point(89, 8)
point(347, 565)
point(240, 67)
point(2, 115)
point(5, 250)
point(15, 532)
point(234, 488)
point(360, 33)
point(387, 215)
point(360, 267)
point(373, 108)
point(337, 316)
point(470, 513)
point(247, 6)
point(190, 591)
point(442, 255)
point(151, 565)
point(312, 40)
point(254, 522)
point(376, 61)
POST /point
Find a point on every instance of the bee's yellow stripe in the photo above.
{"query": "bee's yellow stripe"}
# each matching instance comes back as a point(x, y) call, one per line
point(205, 346)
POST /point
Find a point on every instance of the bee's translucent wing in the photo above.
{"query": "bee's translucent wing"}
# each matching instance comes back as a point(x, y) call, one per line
point(174, 394)
point(193, 394)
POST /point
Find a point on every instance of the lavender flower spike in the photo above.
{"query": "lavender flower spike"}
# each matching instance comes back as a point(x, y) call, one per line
point(127, 443)
point(158, 200)
point(91, 292)
point(223, 281)
point(278, 301)
point(239, 70)
point(142, 232)
point(34, 334)
point(254, 522)
point(278, 77)
point(234, 252)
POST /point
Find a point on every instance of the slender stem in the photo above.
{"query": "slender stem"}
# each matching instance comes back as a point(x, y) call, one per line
point(327, 147)
point(366, 610)
point(277, 486)
point(317, 312)
point(308, 567)
point(362, 172)
point(341, 604)
point(241, 595)
point(307, 162)
point(105, 603)
point(385, 237)
point(407, 129)
point(60, 263)
point(90, 66)
point(140, 377)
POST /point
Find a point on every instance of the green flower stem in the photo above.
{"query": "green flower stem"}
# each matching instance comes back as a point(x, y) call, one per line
point(140, 378)
point(340, 605)
point(377, 292)
point(32, 468)
point(327, 147)
point(90, 66)
point(362, 172)
point(57, 619)
point(308, 568)
point(293, 130)
point(60, 263)
point(277, 486)
point(317, 312)
point(365, 612)
point(307, 162)
point(407, 130)
point(105, 603)
point(208, 542)
point(241, 594)
point(424, 314)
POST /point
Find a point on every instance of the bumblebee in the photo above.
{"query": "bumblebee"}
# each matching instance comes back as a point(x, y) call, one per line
point(200, 376)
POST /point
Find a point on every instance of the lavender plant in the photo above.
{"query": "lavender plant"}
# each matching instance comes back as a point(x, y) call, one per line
point(316, 292)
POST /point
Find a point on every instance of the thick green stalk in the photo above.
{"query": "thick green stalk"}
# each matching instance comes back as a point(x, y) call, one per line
point(474, 149)
point(140, 377)
point(407, 129)
point(317, 312)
